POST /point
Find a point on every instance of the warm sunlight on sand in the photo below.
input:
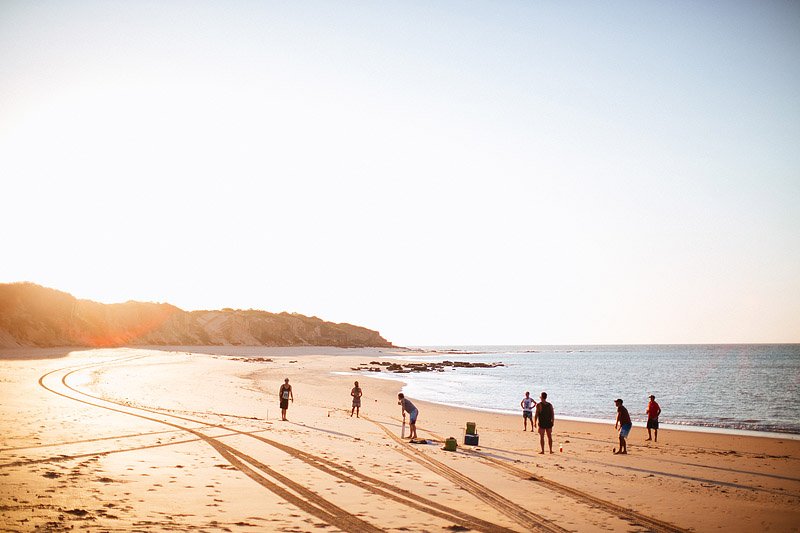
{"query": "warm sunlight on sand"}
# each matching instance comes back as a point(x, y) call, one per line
point(147, 439)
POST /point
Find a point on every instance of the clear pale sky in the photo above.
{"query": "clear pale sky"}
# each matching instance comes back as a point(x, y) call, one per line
point(443, 172)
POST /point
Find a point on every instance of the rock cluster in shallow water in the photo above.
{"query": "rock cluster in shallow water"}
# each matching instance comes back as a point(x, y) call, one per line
point(407, 368)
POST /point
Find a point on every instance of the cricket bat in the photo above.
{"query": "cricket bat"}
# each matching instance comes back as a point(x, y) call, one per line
point(403, 429)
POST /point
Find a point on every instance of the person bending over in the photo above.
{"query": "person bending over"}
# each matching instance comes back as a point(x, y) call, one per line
point(624, 424)
point(412, 411)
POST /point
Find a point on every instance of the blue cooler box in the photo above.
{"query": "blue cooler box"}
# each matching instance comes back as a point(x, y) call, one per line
point(470, 440)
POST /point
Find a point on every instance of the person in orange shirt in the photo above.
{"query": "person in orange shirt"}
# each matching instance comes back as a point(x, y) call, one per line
point(653, 410)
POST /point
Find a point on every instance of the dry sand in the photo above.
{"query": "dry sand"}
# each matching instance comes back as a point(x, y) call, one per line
point(146, 440)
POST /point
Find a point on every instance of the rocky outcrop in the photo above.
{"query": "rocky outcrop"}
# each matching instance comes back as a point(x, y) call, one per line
point(31, 315)
point(407, 368)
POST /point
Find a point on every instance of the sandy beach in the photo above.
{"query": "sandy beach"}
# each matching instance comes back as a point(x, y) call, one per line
point(173, 439)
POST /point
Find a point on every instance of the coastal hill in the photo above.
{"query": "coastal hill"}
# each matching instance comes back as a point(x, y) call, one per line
point(32, 315)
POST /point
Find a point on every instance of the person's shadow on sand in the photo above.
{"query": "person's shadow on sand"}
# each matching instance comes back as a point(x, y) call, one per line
point(337, 433)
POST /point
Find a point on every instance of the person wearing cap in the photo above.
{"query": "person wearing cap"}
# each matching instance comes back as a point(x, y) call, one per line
point(624, 424)
point(544, 418)
point(653, 410)
point(285, 394)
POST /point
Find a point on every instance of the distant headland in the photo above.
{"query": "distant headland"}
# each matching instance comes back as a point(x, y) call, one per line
point(32, 315)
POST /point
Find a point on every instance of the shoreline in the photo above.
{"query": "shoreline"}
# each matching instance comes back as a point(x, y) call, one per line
point(700, 395)
point(107, 436)
point(402, 354)
point(599, 421)
point(640, 425)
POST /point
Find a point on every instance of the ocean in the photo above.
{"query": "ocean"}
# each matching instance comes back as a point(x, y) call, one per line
point(742, 388)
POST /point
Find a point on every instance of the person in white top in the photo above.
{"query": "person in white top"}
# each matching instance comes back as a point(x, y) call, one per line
point(527, 405)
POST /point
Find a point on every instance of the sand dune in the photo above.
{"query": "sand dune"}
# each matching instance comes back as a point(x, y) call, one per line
point(35, 316)
point(137, 439)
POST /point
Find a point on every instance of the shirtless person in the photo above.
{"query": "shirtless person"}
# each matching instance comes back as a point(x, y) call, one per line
point(545, 417)
point(285, 394)
point(412, 411)
point(356, 394)
point(653, 410)
point(527, 405)
point(624, 424)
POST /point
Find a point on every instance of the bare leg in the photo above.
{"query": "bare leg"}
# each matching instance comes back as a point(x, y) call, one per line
point(357, 410)
point(541, 441)
point(650, 435)
point(656, 431)
point(413, 427)
point(549, 440)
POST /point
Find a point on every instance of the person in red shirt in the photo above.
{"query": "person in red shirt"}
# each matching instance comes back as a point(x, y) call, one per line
point(653, 410)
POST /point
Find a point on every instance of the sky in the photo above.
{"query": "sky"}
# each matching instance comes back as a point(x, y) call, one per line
point(448, 173)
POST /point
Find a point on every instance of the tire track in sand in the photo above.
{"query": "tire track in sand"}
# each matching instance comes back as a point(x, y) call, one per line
point(650, 523)
point(347, 474)
point(629, 515)
point(59, 458)
point(344, 473)
point(82, 441)
point(522, 516)
point(385, 489)
point(302, 497)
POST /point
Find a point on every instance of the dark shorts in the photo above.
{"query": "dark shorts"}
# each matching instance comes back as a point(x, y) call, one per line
point(284, 403)
point(527, 414)
point(543, 430)
point(652, 424)
point(356, 402)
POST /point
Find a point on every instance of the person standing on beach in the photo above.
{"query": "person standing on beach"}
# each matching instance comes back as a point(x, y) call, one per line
point(285, 394)
point(624, 424)
point(412, 411)
point(545, 418)
point(356, 394)
point(653, 410)
point(527, 405)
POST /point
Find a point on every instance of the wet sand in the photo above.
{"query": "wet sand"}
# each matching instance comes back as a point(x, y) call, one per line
point(136, 439)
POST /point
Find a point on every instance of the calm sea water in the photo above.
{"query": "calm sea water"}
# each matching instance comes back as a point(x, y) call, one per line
point(744, 387)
